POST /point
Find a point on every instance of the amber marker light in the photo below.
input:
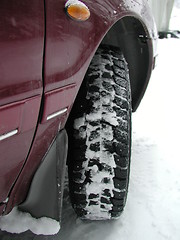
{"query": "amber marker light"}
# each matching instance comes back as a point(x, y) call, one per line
point(77, 10)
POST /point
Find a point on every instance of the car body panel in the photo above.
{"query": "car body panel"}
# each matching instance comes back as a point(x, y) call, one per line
point(69, 48)
point(14, 149)
point(21, 49)
point(21, 86)
point(58, 101)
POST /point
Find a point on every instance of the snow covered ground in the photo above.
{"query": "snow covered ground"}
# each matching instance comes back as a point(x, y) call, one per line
point(153, 205)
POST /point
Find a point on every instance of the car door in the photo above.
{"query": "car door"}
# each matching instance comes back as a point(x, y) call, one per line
point(21, 62)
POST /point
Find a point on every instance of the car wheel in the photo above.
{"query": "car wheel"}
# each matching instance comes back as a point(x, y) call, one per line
point(100, 139)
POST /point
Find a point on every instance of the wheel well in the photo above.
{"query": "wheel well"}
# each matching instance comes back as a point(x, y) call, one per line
point(130, 36)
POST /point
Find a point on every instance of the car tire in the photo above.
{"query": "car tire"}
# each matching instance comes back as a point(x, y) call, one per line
point(100, 138)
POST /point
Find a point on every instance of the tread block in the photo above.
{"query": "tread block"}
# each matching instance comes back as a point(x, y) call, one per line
point(121, 173)
point(119, 195)
point(120, 184)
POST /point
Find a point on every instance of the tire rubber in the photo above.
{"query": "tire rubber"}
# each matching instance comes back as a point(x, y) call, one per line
point(100, 138)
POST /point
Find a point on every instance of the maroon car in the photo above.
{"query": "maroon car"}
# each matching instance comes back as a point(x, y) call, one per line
point(71, 73)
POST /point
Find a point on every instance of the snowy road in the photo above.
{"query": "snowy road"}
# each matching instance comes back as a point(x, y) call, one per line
point(153, 206)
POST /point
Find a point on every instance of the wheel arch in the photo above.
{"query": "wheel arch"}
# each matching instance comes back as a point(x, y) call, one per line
point(131, 36)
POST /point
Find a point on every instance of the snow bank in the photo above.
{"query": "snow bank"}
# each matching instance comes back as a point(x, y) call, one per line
point(18, 222)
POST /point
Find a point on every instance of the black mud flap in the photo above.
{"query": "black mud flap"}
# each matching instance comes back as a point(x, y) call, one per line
point(46, 192)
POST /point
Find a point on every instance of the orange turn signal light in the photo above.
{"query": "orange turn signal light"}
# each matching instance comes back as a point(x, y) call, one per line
point(78, 11)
